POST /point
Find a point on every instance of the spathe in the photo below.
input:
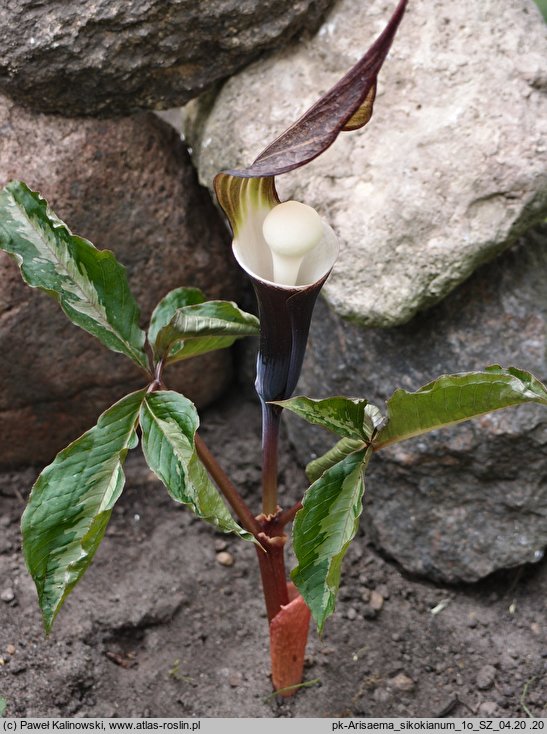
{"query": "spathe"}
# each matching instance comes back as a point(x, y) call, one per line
point(247, 195)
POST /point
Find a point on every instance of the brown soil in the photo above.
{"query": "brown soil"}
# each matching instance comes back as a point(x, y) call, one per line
point(158, 627)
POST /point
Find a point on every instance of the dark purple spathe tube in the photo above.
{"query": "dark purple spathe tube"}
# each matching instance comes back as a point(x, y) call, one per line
point(285, 311)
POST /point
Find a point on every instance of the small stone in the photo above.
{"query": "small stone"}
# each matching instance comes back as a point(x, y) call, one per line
point(506, 661)
point(472, 620)
point(351, 614)
point(535, 628)
point(365, 595)
point(220, 545)
point(376, 600)
point(7, 594)
point(402, 682)
point(225, 558)
point(488, 708)
point(10, 649)
point(486, 677)
point(235, 679)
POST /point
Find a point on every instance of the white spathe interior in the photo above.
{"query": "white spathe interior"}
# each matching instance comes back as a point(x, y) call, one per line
point(255, 256)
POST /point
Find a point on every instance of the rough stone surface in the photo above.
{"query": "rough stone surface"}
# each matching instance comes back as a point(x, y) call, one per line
point(458, 503)
point(126, 185)
point(449, 170)
point(112, 58)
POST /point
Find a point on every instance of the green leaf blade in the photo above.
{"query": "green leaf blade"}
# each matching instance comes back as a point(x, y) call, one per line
point(339, 451)
point(71, 503)
point(89, 284)
point(455, 398)
point(323, 530)
point(169, 422)
point(202, 328)
point(346, 417)
point(166, 309)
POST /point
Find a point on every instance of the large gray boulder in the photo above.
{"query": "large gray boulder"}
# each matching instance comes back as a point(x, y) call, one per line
point(85, 58)
point(127, 185)
point(458, 503)
point(451, 168)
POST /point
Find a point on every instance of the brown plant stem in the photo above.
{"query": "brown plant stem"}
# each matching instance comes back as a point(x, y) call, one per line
point(234, 499)
point(287, 516)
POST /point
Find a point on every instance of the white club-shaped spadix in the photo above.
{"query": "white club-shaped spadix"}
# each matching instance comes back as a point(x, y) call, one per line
point(291, 230)
point(287, 245)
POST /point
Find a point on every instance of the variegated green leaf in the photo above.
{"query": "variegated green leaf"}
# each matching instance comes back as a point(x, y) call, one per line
point(347, 417)
point(71, 503)
point(169, 422)
point(339, 451)
point(455, 398)
point(323, 530)
point(202, 328)
point(89, 284)
point(166, 309)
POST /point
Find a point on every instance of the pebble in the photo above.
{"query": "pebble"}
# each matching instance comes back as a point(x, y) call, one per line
point(235, 679)
point(402, 682)
point(365, 595)
point(351, 614)
point(376, 600)
point(225, 558)
point(220, 544)
point(10, 649)
point(506, 661)
point(488, 709)
point(7, 594)
point(486, 677)
point(535, 627)
point(472, 620)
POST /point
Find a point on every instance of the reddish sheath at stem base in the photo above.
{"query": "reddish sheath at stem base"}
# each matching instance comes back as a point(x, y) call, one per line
point(288, 638)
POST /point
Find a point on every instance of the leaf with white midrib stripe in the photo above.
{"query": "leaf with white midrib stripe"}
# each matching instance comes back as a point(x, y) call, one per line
point(203, 327)
point(169, 422)
point(71, 503)
point(452, 399)
point(323, 530)
point(89, 284)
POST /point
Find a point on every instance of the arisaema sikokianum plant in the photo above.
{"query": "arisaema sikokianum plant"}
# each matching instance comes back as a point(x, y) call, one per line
point(288, 251)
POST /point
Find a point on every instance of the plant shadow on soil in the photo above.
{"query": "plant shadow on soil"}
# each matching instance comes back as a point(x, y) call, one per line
point(158, 627)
